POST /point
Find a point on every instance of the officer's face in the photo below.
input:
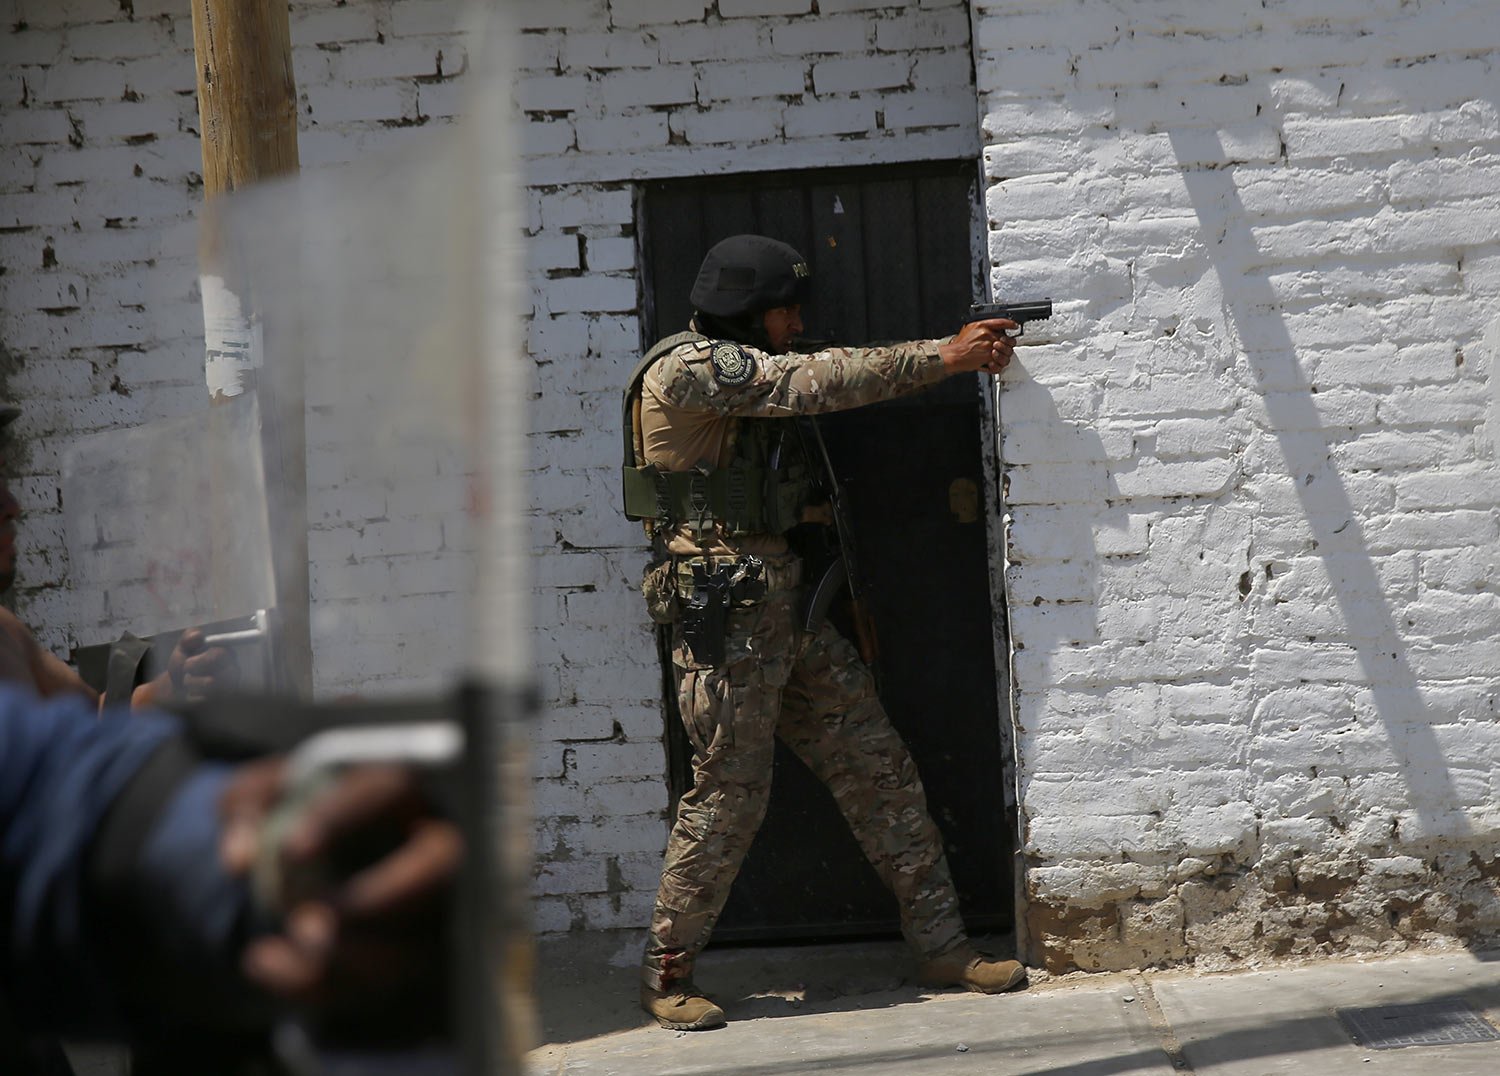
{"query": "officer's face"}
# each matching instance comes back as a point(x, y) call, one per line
point(783, 324)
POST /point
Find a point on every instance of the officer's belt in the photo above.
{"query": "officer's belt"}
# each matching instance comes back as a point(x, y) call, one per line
point(732, 495)
point(787, 576)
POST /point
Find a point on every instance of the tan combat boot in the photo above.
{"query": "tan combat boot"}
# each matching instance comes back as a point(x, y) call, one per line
point(681, 1007)
point(972, 971)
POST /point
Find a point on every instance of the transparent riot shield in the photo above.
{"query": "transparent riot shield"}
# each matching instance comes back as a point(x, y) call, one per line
point(338, 500)
point(361, 495)
point(350, 523)
point(140, 540)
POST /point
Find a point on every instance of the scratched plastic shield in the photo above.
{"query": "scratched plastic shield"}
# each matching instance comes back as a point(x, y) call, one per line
point(357, 504)
point(139, 540)
point(337, 493)
point(360, 497)
point(365, 281)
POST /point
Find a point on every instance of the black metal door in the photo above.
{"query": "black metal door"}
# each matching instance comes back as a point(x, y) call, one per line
point(890, 253)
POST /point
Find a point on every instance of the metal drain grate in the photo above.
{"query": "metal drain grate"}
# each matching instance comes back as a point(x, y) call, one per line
point(1433, 1023)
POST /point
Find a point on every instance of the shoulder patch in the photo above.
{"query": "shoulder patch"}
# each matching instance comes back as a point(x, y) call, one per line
point(732, 365)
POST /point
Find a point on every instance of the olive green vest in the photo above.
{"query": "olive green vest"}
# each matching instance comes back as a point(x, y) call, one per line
point(762, 490)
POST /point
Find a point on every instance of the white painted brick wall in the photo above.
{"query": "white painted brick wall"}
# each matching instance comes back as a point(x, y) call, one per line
point(1274, 239)
point(765, 84)
point(1253, 499)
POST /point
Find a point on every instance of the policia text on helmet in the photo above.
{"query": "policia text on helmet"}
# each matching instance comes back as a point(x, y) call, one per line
point(748, 288)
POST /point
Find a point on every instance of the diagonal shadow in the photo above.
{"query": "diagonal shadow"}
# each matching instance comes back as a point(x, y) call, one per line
point(1325, 501)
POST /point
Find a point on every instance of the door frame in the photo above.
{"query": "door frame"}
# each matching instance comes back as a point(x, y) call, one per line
point(997, 529)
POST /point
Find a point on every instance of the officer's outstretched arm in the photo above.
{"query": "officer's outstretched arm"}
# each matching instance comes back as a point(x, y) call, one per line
point(738, 380)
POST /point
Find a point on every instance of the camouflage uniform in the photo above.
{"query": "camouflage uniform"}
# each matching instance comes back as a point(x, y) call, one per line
point(809, 688)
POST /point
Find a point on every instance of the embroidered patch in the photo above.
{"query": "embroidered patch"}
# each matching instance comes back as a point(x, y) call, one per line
point(732, 366)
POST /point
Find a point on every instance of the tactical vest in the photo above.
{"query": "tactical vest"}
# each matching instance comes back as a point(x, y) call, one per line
point(762, 490)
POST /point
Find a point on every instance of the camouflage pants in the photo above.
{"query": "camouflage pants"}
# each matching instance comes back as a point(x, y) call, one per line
point(815, 693)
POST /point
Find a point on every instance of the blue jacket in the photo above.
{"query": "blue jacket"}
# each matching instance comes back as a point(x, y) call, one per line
point(61, 769)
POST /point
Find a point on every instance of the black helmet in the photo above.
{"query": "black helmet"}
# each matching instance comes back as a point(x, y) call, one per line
point(749, 274)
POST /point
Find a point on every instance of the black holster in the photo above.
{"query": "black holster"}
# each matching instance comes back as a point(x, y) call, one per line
point(705, 616)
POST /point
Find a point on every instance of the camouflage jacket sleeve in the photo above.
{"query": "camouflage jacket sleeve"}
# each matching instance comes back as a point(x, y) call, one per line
point(736, 379)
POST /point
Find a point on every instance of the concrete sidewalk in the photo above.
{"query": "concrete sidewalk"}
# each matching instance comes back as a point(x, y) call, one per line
point(854, 1009)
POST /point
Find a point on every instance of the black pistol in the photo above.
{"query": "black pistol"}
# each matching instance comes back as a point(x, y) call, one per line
point(1020, 313)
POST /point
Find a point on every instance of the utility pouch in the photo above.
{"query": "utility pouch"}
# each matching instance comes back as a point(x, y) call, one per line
point(747, 581)
point(659, 588)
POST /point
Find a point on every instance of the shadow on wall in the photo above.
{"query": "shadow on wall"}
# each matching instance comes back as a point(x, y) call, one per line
point(1055, 476)
point(1492, 364)
point(1252, 313)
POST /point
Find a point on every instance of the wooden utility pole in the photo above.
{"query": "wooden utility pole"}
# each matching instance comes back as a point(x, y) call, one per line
point(247, 98)
point(247, 113)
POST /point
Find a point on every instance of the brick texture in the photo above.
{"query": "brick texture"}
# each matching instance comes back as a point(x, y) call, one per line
point(1251, 660)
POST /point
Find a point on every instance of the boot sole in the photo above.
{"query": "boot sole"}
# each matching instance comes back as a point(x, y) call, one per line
point(703, 1024)
point(1016, 980)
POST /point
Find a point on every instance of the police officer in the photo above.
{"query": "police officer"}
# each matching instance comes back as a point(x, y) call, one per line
point(720, 476)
